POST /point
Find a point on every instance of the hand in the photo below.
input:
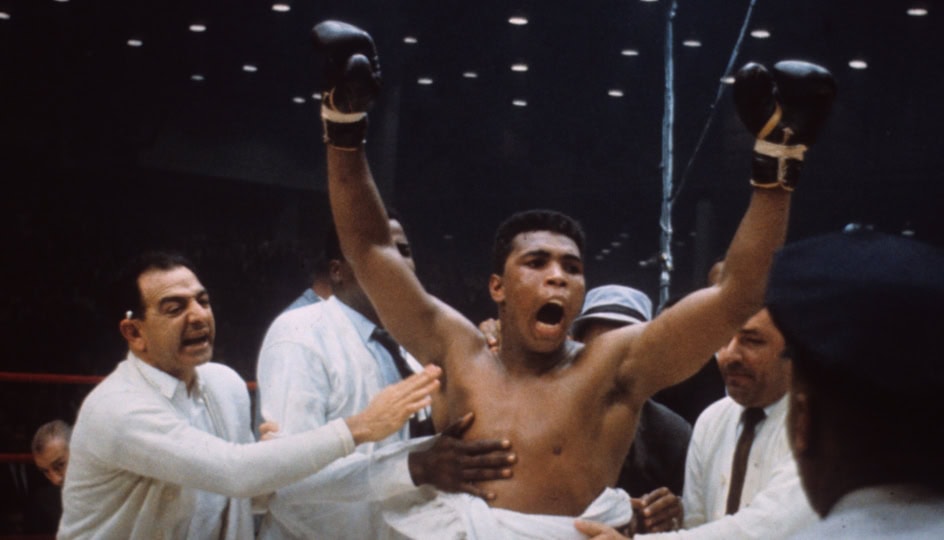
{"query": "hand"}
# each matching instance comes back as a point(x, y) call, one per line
point(352, 81)
point(491, 329)
point(784, 108)
point(454, 465)
point(659, 511)
point(394, 405)
point(598, 531)
point(268, 431)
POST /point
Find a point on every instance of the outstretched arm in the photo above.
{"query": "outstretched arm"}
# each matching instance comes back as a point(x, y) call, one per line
point(784, 109)
point(419, 321)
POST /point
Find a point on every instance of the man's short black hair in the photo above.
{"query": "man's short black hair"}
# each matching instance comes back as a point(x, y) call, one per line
point(127, 293)
point(529, 221)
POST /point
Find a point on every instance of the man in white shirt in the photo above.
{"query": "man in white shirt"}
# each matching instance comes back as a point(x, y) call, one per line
point(861, 312)
point(158, 449)
point(320, 362)
point(771, 502)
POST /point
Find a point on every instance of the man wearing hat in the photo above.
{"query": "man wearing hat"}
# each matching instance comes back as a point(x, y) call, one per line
point(654, 469)
point(861, 313)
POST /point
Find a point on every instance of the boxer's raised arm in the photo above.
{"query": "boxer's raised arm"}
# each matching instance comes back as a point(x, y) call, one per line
point(419, 321)
point(784, 109)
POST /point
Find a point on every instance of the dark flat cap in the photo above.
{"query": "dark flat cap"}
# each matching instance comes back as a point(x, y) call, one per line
point(868, 305)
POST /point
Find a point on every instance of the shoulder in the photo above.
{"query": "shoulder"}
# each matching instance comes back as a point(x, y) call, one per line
point(301, 323)
point(219, 376)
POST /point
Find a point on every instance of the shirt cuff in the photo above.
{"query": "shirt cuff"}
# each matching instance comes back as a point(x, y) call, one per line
point(339, 426)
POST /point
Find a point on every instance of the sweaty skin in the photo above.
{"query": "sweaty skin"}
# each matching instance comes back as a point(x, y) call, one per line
point(570, 412)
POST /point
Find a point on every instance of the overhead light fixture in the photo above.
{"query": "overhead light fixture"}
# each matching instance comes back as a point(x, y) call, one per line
point(298, 99)
point(917, 12)
point(281, 7)
point(691, 43)
point(316, 96)
point(62, 1)
point(760, 33)
point(518, 20)
point(250, 68)
point(520, 67)
point(629, 52)
point(858, 64)
point(727, 80)
point(135, 42)
point(4, 16)
point(649, 1)
point(614, 92)
point(470, 75)
point(616, 243)
point(519, 102)
point(198, 27)
point(425, 81)
point(196, 77)
point(410, 40)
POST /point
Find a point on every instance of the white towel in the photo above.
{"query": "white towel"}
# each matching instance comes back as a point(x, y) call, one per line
point(454, 516)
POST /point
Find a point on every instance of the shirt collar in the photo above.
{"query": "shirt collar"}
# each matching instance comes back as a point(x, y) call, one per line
point(363, 325)
point(166, 384)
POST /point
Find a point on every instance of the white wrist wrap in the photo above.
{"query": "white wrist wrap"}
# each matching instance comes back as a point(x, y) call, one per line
point(337, 117)
point(780, 151)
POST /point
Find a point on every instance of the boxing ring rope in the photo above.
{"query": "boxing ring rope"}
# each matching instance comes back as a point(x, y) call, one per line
point(669, 192)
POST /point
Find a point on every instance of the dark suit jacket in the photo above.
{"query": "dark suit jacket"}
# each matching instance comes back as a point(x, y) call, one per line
point(657, 456)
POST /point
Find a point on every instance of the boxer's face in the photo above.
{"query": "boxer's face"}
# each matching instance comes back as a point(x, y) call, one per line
point(542, 288)
point(752, 364)
point(177, 330)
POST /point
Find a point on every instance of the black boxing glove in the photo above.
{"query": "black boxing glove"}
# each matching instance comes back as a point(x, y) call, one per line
point(784, 109)
point(352, 81)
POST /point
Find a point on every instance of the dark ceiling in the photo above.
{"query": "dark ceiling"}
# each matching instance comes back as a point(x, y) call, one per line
point(456, 156)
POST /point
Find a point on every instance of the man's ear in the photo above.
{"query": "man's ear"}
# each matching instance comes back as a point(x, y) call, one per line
point(496, 288)
point(798, 422)
point(132, 334)
point(334, 272)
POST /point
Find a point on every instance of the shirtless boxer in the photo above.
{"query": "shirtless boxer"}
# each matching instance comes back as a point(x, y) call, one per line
point(570, 410)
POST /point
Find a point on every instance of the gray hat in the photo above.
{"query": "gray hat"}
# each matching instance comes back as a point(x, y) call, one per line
point(613, 303)
point(868, 305)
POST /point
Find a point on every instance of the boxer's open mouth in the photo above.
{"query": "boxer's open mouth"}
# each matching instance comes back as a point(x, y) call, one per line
point(550, 313)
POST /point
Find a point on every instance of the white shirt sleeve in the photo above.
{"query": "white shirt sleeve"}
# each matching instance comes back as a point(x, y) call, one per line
point(143, 437)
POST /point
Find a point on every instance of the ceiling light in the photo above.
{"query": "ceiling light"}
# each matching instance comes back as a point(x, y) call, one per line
point(691, 43)
point(650, 1)
point(249, 68)
point(605, 251)
point(614, 92)
point(196, 77)
point(616, 243)
point(858, 64)
point(298, 99)
point(727, 80)
point(629, 52)
point(470, 75)
point(425, 81)
point(518, 21)
point(62, 1)
point(760, 33)
point(908, 232)
point(316, 96)
point(520, 68)
point(281, 7)
point(519, 102)
point(410, 39)
point(4, 16)
point(135, 42)
point(917, 12)
point(198, 28)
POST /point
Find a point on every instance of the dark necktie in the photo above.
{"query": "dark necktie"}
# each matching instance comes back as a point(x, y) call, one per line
point(750, 417)
point(418, 428)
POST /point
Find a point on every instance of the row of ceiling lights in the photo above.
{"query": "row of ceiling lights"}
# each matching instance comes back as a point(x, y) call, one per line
point(517, 20)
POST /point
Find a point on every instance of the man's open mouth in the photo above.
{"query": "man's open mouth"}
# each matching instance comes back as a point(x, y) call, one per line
point(196, 340)
point(551, 313)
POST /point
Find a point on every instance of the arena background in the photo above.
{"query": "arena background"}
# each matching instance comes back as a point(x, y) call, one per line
point(110, 146)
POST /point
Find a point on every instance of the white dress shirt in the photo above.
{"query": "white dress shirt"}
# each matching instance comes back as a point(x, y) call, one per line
point(319, 363)
point(899, 511)
point(138, 462)
point(773, 504)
